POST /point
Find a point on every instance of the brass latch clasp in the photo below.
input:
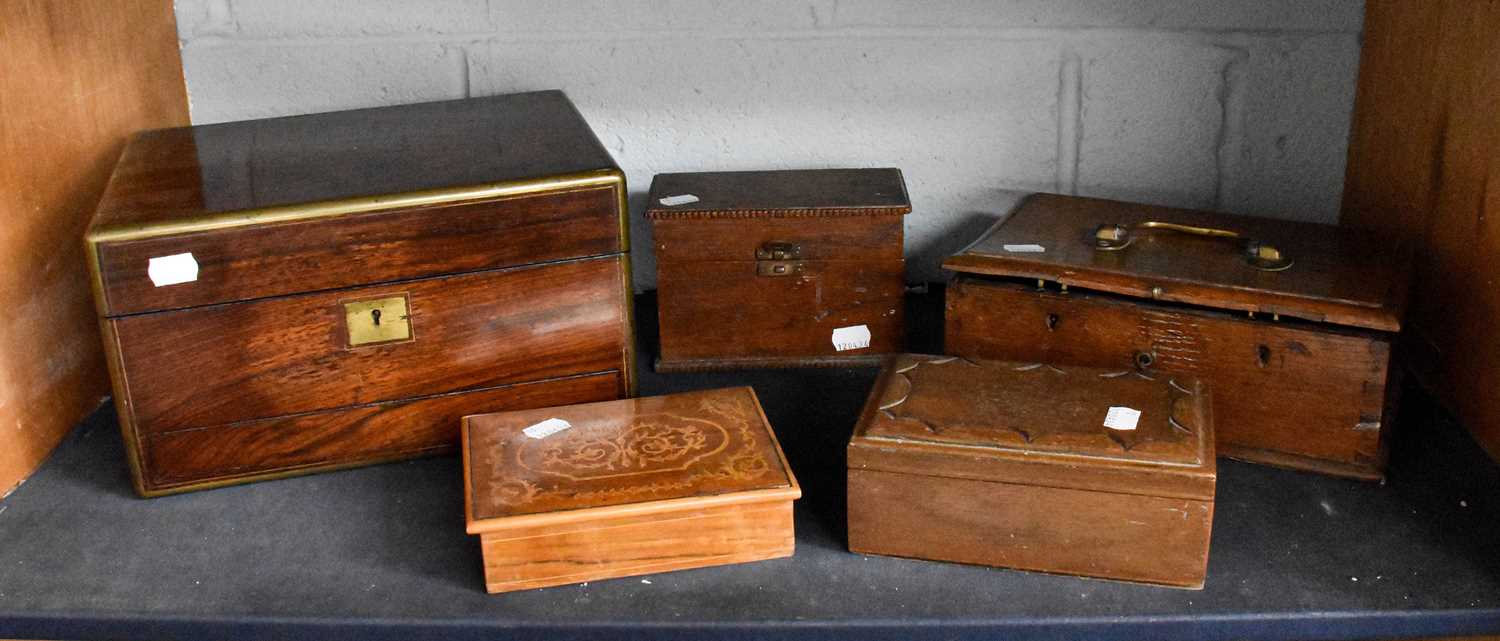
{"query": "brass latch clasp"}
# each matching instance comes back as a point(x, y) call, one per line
point(777, 258)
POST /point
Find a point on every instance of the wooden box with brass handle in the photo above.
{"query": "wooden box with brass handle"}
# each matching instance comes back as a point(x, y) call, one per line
point(298, 294)
point(779, 268)
point(1291, 323)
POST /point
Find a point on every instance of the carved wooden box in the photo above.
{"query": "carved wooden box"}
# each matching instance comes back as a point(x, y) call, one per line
point(622, 488)
point(297, 294)
point(779, 268)
point(1031, 466)
point(1292, 322)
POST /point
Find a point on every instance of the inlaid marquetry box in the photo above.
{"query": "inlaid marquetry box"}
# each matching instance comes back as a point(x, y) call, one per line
point(639, 486)
point(299, 294)
point(1101, 473)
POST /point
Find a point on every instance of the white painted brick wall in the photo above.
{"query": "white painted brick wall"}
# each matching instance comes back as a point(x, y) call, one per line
point(1237, 105)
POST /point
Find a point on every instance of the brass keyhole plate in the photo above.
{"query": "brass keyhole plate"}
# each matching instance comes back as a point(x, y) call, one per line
point(378, 321)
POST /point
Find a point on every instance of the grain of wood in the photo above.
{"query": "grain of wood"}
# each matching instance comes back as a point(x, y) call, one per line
point(692, 539)
point(1009, 464)
point(490, 231)
point(79, 77)
point(1293, 395)
point(629, 487)
point(1300, 356)
point(722, 303)
point(1423, 164)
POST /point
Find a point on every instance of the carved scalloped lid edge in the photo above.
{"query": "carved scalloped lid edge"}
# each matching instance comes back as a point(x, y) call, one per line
point(897, 390)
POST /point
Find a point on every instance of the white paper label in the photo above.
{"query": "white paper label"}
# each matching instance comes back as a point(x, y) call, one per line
point(847, 338)
point(171, 270)
point(547, 428)
point(683, 199)
point(1121, 418)
point(1025, 249)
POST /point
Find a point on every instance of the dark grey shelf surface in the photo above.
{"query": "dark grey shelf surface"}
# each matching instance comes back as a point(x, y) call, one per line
point(381, 552)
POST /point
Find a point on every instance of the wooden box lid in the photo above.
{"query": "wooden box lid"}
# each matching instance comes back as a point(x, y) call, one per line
point(178, 175)
point(1336, 275)
point(1035, 424)
point(786, 193)
point(328, 183)
point(630, 457)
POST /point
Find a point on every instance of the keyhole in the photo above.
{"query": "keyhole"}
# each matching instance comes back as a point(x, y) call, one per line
point(1262, 355)
point(375, 316)
point(1144, 360)
point(1051, 322)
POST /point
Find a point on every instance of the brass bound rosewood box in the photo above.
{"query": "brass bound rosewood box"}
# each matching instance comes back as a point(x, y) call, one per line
point(1102, 473)
point(297, 294)
point(779, 268)
point(1292, 323)
point(621, 488)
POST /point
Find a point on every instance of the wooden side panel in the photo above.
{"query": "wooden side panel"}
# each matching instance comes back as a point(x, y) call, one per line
point(818, 238)
point(268, 260)
point(724, 311)
point(348, 436)
point(627, 546)
point(221, 364)
point(1424, 161)
point(1100, 534)
point(78, 77)
point(1284, 393)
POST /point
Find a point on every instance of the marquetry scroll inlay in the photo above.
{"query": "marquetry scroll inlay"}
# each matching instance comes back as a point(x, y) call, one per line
point(657, 442)
point(716, 443)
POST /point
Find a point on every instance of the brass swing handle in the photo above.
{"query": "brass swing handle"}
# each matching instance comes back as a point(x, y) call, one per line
point(1115, 236)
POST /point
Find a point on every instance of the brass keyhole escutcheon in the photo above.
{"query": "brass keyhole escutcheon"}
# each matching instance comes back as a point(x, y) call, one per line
point(377, 321)
point(1144, 360)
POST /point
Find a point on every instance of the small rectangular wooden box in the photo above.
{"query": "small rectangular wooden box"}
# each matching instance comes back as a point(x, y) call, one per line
point(1297, 337)
point(779, 268)
point(297, 294)
point(622, 488)
point(1011, 465)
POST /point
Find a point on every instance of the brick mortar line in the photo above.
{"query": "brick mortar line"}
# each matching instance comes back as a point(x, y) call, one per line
point(1230, 139)
point(1069, 155)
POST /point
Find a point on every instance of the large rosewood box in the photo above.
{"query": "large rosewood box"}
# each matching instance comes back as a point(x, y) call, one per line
point(621, 488)
point(1291, 322)
point(779, 268)
point(297, 294)
point(1102, 473)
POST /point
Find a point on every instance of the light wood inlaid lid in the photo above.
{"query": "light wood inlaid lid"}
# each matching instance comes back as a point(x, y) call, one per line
point(668, 451)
